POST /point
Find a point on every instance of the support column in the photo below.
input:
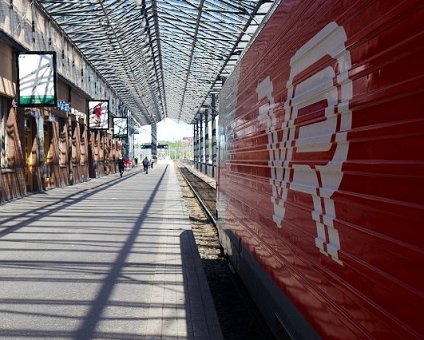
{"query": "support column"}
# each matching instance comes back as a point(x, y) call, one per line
point(39, 123)
point(12, 17)
point(197, 144)
point(32, 24)
point(194, 143)
point(70, 166)
point(154, 142)
point(206, 139)
point(214, 146)
point(201, 147)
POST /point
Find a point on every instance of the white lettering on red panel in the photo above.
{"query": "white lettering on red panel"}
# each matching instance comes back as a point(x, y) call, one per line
point(309, 155)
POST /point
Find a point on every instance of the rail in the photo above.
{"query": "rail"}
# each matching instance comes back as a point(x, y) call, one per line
point(211, 215)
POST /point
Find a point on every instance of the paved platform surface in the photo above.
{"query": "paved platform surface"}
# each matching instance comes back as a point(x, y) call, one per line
point(113, 258)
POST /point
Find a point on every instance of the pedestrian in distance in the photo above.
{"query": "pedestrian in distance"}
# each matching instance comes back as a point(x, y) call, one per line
point(128, 163)
point(121, 165)
point(146, 164)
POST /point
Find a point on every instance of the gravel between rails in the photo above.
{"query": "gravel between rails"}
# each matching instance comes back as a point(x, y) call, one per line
point(237, 313)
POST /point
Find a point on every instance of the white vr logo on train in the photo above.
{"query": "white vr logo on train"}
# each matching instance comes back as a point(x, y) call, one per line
point(308, 158)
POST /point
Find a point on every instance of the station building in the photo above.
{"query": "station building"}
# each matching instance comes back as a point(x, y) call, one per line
point(49, 147)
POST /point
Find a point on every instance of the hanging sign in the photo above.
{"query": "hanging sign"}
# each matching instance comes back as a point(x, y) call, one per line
point(36, 79)
point(98, 114)
point(120, 127)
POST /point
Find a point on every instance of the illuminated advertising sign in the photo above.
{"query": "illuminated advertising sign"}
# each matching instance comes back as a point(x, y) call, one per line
point(98, 114)
point(120, 127)
point(36, 79)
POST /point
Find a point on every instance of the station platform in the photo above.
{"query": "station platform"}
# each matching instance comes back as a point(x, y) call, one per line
point(112, 258)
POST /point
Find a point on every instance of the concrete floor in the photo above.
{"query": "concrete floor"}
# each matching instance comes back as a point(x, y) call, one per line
point(113, 258)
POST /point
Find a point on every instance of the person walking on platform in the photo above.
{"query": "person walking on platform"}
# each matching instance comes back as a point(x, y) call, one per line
point(121, 165)
point(127, 163)
point(146, 164)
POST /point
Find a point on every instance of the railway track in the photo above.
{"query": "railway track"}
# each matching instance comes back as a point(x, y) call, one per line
point(204, 192)
point(238, 315)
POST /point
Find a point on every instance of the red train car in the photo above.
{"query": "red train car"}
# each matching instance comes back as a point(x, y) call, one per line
point(321, 169)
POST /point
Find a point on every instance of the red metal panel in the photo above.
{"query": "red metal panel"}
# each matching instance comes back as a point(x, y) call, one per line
point(321, 170)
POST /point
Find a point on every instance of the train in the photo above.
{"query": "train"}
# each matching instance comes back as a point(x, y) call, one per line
point(320, 174)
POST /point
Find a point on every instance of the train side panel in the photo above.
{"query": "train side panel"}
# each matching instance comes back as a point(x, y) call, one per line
point(321, 168)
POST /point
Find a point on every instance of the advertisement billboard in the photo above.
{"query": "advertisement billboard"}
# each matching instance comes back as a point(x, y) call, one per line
point(98, 114)
point(120, 127)
point(36, 79)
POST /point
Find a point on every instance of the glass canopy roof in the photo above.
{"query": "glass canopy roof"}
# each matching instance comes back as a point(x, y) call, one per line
point(163, 58)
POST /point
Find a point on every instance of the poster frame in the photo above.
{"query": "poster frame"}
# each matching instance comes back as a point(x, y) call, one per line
point(89, 125)
point(113, 128)
point(33, 103)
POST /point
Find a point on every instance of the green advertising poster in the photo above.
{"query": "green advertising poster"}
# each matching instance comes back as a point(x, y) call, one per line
point(36, 79)
point(120, 127)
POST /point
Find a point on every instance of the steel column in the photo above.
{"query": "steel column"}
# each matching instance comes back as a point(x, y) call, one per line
point(154, 141)
point(206, 118)
point(214, 114)
point(196, 144)
point(201, 141)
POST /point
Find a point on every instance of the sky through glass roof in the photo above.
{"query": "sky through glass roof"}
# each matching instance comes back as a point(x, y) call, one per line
point(162, 57)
